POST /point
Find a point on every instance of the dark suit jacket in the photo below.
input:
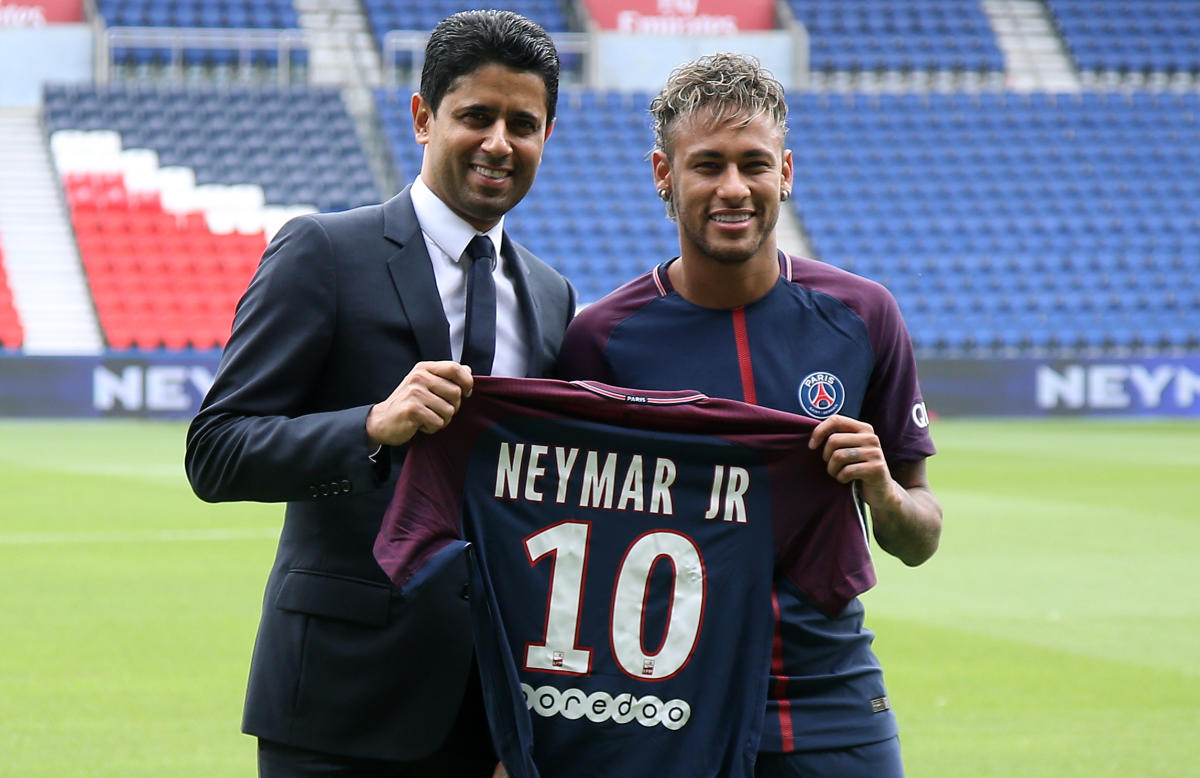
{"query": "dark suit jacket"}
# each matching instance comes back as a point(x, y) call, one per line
point(341, 308)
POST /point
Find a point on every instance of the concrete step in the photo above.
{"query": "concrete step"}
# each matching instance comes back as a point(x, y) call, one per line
point(47, 292)
point(57, 258)
point(32, 239)
point(49, 211)
point(30, 210)
point(41, 257)
point(40, 224)
point(49, 273)
point(31, 203)
point(64, 323)
point(52, 315)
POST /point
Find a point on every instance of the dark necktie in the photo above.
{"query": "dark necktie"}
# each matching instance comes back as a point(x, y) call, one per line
point(479, 337)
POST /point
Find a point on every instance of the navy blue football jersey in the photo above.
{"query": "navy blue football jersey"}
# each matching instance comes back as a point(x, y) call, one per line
point(822, 341)
point(622, 547)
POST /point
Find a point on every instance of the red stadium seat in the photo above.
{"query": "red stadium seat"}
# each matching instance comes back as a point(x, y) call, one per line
point(12, 334)
point(158, 279)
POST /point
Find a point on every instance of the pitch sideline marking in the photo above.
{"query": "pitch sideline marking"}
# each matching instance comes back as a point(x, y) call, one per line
point(142, 536)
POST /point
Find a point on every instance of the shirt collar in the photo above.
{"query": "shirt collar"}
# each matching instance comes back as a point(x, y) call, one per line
point(444, 227)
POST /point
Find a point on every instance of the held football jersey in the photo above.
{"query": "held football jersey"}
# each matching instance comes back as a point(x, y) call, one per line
point(622, 547)
point(822, 341)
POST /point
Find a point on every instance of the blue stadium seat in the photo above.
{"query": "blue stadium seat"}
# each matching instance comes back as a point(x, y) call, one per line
point(237, 14)
point(1082, 196)
point(898, 35)
point(385, 16)
point(198, 127)
point(1120, 37)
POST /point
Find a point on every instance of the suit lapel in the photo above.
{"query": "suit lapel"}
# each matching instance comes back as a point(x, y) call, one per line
point(530, 307)
point(412, 275)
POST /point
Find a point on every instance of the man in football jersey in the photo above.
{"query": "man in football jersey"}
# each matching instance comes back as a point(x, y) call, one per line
point(732, 316)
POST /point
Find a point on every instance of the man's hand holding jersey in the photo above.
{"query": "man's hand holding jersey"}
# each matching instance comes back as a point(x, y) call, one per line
point(425, 401)
point(906, 515)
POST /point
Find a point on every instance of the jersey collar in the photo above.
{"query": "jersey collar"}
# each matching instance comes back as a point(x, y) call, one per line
point(662, 279)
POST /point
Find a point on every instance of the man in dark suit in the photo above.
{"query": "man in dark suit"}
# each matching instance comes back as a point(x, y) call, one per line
point(343, 348)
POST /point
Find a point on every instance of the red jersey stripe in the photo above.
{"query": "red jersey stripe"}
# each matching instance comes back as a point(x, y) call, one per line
point(742, 339)
point(779, 678)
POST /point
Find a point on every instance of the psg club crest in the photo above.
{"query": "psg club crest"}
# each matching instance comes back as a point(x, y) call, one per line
point(822, 395)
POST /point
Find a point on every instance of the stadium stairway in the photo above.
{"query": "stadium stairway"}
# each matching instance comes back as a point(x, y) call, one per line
point(341, 49)
point(790, 236)
point(343, 53)
point(1034, 57)
point(48, 287)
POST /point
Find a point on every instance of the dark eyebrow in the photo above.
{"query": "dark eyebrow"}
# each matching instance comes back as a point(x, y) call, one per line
point(759, 153)
point(532, 117)
point(490, 110)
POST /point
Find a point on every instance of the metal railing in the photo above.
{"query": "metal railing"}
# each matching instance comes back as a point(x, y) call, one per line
point(575, 49)
point(175, 40)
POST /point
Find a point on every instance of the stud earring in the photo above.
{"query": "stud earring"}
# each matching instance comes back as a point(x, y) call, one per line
point(664, 194)
point(785, 195)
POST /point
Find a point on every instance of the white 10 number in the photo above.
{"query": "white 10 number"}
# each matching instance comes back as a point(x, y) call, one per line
point(567, 543)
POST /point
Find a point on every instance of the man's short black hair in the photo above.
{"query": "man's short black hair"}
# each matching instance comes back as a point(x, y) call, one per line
point(466, 41)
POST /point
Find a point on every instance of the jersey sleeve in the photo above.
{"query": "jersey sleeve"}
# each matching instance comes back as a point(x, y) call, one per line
point(893, 404)
point(582, 352)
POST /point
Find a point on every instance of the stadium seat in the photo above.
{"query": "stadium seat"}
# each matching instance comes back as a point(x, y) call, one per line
point(899, 35)
point(12, 334)
point(283, 135)
point(158, 279)
point(1130, 37)
point(385, 16)
point(1098, 184)
point(191, 14)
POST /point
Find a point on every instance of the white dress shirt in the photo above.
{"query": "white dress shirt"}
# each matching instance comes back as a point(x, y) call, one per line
point(446, 238)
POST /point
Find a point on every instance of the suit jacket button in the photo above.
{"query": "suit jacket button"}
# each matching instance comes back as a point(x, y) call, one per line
point(324, 490)
point(345, 486)
point(313, 491)
point(466, 591)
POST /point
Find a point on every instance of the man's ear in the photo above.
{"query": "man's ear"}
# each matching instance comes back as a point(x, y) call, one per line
point(661, 165)
point(423, 117)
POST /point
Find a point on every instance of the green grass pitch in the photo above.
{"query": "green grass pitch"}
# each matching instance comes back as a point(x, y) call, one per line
point(1056, 633)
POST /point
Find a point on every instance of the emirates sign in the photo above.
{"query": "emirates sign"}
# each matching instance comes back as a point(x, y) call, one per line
point(682, 17)
point(39, 13)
